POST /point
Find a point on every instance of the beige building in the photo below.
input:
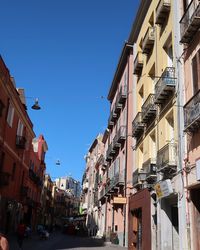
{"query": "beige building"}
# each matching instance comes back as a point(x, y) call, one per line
point(157, 165)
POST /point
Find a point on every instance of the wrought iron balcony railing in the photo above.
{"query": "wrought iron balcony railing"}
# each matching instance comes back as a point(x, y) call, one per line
point(150, 169)
point(165, 85)
point(138, 63)
point(149, 108)
point(192, 113)
point(138, 177)
point(118, 179)
point(190, 22)
point(137, 126)
point(120, 137)
point(148, 40)
point(4, 178)
point(112, 118)
point(162, 11)
point(167, 158)
point(122, 95)
point(110, 152)
point(20, 142)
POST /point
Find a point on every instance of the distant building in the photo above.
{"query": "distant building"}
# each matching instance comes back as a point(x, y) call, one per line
point(70, 185)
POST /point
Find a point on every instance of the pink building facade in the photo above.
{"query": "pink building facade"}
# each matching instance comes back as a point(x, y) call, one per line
point(119, 154)
point(190, 37)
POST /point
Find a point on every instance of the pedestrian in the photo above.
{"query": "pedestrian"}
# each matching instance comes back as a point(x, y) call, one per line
point(21, 233)
point(3, 242)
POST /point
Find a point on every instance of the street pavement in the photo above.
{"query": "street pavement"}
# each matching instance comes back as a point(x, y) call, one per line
point(59, 241)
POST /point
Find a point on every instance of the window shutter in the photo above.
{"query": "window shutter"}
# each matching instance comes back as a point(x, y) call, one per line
point(10, 115)
point(195, 74)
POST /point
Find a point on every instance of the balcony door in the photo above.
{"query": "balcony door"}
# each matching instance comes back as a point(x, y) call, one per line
point(170, 128)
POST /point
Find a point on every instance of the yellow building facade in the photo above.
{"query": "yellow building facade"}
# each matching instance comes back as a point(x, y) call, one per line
point(155, 129)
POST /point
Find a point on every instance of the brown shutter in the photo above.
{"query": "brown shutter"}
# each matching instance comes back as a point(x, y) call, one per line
point(195, 74)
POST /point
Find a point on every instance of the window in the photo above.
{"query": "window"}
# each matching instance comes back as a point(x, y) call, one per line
point(20, 128)
point(1, 108)
point(195, 72)
point(10, 115)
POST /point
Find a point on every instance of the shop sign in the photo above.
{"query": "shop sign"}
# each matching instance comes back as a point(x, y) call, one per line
point(119, 200)
point(163, 188)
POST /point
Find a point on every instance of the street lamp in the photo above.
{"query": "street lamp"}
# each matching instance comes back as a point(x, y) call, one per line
point(36, 105)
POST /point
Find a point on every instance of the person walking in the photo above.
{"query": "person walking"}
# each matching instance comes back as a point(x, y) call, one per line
point(20, 234)
point(3, 242)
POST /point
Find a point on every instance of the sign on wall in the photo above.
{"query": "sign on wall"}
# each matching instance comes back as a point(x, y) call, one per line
point(163, 188)
point(119, 200)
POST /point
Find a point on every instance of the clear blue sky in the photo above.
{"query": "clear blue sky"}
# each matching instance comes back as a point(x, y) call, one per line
point(65, 52)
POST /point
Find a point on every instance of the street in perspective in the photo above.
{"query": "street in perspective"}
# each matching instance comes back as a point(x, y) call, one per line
point(100, 125)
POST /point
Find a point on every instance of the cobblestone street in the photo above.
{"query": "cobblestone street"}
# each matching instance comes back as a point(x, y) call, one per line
point(59, 241)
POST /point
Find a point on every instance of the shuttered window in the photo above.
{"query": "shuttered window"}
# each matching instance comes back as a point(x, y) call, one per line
point(196, 72)
point(10, 115)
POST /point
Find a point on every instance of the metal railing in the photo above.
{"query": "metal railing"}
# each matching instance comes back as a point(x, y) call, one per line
point(167, 156)
point(109, 150)
point(167, 79)
point(148, 39)
point(149, 106)
point(192, 112)
point(192, 11)
point(137, 124)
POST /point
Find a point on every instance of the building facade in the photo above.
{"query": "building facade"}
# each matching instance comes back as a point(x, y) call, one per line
point(190, 38)
point(21, 167)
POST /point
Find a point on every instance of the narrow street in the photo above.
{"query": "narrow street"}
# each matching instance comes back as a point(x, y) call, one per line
point(59, 241)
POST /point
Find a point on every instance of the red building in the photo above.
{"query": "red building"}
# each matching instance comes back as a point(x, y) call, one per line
point(21, 158)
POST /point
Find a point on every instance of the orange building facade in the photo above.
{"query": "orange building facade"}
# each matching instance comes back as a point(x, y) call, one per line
point(22, 164)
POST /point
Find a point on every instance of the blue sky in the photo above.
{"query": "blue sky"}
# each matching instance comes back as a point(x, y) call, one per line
point(65, 52)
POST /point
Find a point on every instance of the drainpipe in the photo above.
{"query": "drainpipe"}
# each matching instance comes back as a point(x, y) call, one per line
point(178, 50)
point(126, 158)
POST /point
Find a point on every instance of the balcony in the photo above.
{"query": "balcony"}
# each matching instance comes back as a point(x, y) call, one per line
point(192, 113)
point(190, 22)
point(122, 95)
point(162, 11)
point(119, 138)
point(20, 142)
point(165, 86)
point(116, 144)
point(110, 152)
point(138, 63)
point(148, 41)
point(148, 108)
point(167, 158)
point(4, 178)
point(118, 180)
point(138, 178)
point(150, 169)
point(112, 118)
point(137, 126)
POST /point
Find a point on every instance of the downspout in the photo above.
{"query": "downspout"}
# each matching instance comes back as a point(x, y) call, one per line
point(126, 159)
